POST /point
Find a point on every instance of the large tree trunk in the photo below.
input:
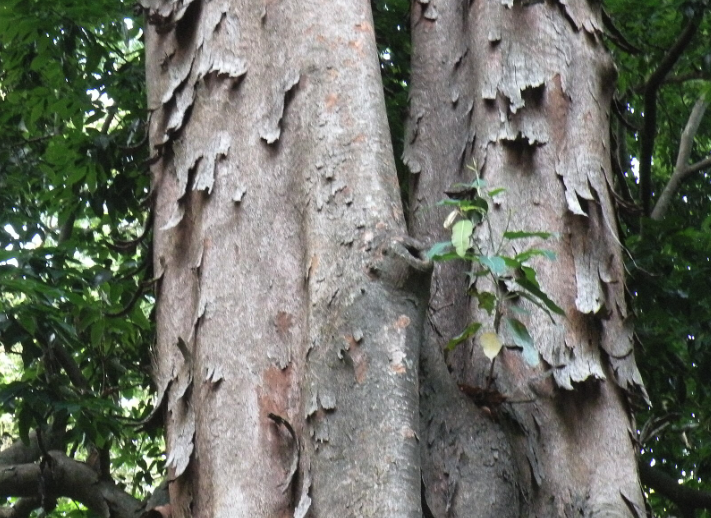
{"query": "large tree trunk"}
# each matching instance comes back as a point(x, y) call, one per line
point(523, 90)
point(291, 303)
point(290, 306)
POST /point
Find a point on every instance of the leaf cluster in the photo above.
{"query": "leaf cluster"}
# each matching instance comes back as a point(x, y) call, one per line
point(75, 260)
point(511, 277)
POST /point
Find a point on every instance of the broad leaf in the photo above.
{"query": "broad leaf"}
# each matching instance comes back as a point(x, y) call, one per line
point(470, 330)
point(523, 339)
point(490, 344)
point(461, 236)
point(495, 264)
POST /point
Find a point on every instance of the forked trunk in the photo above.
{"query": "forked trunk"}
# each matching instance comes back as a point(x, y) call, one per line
point(292, 305)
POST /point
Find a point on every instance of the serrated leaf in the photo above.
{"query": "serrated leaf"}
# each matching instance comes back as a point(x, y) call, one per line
point(461, 235)
point(522, 338)
point(490, 344)
point(495, 264)
point(469, 331)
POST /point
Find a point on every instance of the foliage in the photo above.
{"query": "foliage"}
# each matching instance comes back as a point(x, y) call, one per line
point(75, 264)
point(511, 278)
point(669, 260)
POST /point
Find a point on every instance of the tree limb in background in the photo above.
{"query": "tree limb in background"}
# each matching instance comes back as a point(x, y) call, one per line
point(20, 453)
point(71, 479)
point(681, 169)
point(650, 109)
point(684, 497)
point(21, 509)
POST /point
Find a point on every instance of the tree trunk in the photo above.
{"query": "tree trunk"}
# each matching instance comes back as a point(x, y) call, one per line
point(523, 90)
point(291, 303)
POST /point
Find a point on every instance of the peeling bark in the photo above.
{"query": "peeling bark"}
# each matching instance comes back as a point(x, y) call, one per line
point(533, 89)
point(292, 303)
point(289, 291)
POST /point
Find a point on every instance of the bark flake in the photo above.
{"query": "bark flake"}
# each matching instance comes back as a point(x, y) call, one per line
point(181, 441)
point(271, 124)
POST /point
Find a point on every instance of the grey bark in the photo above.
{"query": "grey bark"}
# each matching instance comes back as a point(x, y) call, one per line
point(524, 89)
point(291, 303)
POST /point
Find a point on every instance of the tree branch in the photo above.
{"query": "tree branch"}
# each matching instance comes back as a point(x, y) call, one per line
point(20, 453)
point(22, 508)
point(684, 497)
point(650, 109)
point(71, 479)
point(681, 170)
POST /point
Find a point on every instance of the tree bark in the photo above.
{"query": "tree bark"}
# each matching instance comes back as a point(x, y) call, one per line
point(523, 90)
point(291, 303)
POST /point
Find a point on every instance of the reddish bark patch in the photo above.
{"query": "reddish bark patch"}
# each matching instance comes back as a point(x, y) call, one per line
point(283, 322)
point(359, 358)
point(398, 368)
point(402, 322)
point(331, 101)
point(273, 394)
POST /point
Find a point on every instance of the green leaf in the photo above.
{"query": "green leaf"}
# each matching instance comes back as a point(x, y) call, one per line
point(439, 249)
point(470, 330)
point(523, 339)
point(495, 264)
point(479, 205)
point(533, 252)
point(97, 332)
point(487, 301)
point(461, 236)
point(494, 192)
point(523, 235)
point(533, 288)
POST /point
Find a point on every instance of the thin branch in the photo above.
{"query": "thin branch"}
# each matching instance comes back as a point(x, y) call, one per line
point(621, 161)
point(681, 170)
point(682, 496)
point(683, 78)
point(616, 35)
point(70, 367)
point(650, 109)
point(698, 166)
